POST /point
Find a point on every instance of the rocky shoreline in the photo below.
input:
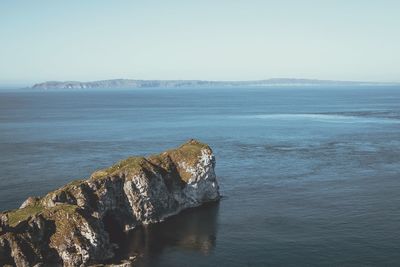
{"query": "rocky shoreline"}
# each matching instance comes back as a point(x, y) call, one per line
point(75, 225)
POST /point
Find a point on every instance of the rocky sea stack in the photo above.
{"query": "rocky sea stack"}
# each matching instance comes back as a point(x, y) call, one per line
point(72, 226)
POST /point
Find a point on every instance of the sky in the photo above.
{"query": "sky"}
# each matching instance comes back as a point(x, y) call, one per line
point(208, 40)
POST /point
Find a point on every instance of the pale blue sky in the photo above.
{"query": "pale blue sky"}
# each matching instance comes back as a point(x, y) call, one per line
point(214, 40)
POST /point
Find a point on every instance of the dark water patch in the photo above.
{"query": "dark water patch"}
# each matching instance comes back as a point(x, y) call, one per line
point(193, 230)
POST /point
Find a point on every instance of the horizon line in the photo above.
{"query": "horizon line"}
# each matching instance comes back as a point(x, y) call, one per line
point(32, 84)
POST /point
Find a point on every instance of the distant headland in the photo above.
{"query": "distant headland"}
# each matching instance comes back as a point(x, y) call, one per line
point(131, 83)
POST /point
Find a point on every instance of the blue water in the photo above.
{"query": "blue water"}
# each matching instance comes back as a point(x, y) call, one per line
point(310, 176)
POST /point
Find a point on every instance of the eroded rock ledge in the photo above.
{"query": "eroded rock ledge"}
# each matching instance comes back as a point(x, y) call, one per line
point(71, 225)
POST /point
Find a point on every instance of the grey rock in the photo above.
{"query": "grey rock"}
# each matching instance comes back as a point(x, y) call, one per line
point(70, 226)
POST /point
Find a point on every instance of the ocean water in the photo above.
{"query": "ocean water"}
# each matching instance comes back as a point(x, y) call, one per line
point(310, 176)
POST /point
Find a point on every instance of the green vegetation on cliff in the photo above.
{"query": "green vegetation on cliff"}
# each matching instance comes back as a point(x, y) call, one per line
point(19, 215)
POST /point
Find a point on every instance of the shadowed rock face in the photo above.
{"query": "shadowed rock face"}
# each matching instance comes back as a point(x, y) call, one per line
point(76, 225)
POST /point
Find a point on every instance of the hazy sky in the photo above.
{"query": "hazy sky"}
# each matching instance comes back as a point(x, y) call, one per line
point(216, 40)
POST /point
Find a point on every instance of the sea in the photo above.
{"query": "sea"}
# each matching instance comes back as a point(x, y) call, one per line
point(310, 175)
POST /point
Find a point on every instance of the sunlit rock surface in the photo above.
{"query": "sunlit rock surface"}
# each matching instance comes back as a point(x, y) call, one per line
point(75, 225)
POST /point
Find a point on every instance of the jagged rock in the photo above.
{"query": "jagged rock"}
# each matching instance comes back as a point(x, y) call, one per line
point(74, 225)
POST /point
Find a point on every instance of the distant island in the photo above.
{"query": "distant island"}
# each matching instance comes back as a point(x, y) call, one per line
point(131, 83)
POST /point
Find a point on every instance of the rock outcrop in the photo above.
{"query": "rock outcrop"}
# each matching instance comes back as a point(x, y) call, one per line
point(75, 225)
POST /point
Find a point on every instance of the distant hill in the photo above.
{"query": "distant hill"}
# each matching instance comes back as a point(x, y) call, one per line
point(129, 83)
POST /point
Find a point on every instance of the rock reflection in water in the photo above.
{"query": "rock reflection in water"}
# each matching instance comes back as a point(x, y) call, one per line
point(193, 229)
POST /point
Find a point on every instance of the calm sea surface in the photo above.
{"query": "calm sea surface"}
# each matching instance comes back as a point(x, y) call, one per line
point(310, 176)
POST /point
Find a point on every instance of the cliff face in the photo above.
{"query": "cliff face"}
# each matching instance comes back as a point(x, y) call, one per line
point(74, 225)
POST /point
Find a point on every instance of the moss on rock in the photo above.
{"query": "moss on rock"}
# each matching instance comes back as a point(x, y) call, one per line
point(66, 218)
point(131, 164)
point(180, 159)
point(19, 215)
